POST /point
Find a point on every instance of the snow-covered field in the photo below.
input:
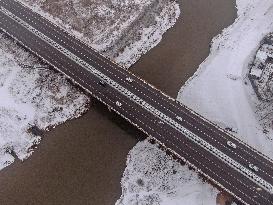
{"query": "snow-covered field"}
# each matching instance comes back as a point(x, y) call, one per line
point(221, 92)
point(261, 78)
point(120, 30)
point(220, 89)
point(32, 100)
point(154, 178)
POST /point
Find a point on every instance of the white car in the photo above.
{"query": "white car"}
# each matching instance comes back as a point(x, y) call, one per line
point(179, 118)
point(130, 80)
point(231, 144)
point(259, 189)
point(253, 167)
point(118, 103)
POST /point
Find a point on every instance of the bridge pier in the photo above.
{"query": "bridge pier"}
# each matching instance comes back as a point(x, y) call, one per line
point(109, 108)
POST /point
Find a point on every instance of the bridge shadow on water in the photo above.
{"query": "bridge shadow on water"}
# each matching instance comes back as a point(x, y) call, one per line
point(117, 120)
point(84, 157)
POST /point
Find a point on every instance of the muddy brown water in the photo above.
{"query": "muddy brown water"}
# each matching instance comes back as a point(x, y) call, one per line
point(81, 162)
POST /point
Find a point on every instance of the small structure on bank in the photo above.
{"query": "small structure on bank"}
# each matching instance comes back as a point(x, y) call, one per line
point(261, 71)
point(261, 77)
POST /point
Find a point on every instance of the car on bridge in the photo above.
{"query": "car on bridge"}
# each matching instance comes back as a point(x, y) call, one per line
point(179, 118)
point(231, 144)
point(102, 83)
point(253, 167)
point(118, 104)
point(130, 80)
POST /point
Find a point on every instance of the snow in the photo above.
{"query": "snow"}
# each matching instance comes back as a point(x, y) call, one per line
point(232, 103)
point(256, 72)
point(120, 30)
point(38, 98)
point(153, 178)
point(31, 98)
point(222, 93)
point(219, 90)
point(261, 73)
point(150, 36)
point(34, 98)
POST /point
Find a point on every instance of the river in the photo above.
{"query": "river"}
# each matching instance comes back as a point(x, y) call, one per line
point(81, 162)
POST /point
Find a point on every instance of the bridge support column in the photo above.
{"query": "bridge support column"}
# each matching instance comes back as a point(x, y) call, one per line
point(109, 108)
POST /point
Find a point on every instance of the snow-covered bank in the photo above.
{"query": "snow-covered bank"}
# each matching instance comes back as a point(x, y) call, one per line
point(31, 98)
point(154, 178)
point(220, 89)
point(41, 98)
point(221, 92)
point(120, 30)
point(261, 78)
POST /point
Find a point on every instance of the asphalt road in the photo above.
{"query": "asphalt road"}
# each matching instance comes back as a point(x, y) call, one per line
point(195, 140)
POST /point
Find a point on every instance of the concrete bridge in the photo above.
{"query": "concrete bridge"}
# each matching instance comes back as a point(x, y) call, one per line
point(220, 157)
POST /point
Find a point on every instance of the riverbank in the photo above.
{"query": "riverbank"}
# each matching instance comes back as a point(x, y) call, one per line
point(184, 47)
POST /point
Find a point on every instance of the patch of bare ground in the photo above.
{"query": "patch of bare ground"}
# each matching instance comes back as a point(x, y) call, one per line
point(224, 198)
point(121, 30)
point(261, 78)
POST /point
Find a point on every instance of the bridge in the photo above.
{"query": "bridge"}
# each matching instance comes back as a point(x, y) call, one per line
point(218, 156)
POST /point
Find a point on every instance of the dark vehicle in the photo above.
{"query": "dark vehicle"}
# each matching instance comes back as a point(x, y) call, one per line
point(102, 83)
